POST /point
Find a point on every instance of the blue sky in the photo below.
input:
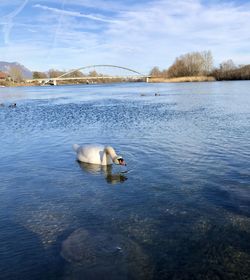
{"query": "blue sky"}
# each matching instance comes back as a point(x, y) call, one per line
point(67, 34)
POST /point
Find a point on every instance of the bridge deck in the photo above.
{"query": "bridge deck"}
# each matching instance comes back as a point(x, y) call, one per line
point(87, 78)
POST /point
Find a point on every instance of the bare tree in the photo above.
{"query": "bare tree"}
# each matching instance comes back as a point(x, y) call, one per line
point(16, 74)
point(55, 73)
point(76, 74)
point(229, 71)
point(155, 72)
point(177, 69)
point(39, 75)
point(208, 62)
point(93, 74)
point(227, 65)
point(192, 64)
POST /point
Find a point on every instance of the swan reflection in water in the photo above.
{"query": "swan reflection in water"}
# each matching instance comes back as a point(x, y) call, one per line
point(111, 178)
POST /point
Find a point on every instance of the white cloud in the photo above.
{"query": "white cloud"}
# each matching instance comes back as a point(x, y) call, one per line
point(139, 35)
point(168, 27)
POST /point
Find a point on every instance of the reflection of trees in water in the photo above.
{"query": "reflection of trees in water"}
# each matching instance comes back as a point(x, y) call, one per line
point(111, 178)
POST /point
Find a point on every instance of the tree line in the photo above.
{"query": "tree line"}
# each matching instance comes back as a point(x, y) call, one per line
point(187, 65)
point(53, 73)
point(201, 64)
point(229, 71)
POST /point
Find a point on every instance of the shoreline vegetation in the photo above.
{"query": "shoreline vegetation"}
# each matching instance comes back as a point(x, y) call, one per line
point(190, 67)
point(151, 80)
point(183, 79)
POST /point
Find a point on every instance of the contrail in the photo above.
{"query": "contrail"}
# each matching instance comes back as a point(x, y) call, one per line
point(74, 14)
point(57, 30)
point(8, 21)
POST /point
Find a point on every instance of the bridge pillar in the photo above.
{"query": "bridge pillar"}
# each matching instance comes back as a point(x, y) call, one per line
point(54, 82)
point(147, 79)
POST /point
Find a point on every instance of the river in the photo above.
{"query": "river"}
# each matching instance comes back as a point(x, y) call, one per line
point(180, 209)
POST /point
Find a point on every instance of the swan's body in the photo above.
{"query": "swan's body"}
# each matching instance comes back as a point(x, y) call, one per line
point(97, 154)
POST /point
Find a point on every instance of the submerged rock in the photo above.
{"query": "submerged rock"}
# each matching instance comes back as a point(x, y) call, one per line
point(48, 221)
point(95, 254)
point(77, 249)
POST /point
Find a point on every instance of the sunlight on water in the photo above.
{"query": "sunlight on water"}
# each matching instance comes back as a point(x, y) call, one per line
point(179, 211)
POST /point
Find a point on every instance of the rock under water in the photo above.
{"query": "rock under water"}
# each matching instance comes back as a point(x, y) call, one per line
point(95, 255)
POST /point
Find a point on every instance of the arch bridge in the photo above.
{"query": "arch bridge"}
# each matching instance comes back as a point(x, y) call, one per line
point(136, 76)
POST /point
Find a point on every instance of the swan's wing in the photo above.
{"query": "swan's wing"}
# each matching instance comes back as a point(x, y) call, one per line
point(91, 154)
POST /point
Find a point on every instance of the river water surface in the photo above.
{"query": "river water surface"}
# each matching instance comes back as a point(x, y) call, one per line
point(179, 210)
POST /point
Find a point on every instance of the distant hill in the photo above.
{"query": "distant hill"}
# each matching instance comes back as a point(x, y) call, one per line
point(6, 66)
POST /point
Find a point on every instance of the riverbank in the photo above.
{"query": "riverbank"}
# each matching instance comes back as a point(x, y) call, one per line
point(20, 84)
point(182, 79)
point(151, 80)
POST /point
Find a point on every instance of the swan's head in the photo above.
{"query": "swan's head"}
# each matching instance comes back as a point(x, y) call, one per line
point(119, 160)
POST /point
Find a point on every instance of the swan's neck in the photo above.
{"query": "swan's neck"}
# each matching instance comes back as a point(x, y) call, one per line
point(110, 152)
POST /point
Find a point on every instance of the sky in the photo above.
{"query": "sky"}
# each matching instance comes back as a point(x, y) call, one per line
point(138, 34)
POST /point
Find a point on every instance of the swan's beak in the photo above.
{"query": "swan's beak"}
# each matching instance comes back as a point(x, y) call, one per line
point(122, 161)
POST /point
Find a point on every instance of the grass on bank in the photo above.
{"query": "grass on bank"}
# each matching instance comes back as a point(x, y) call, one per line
point(182, 79)
point(151, 80)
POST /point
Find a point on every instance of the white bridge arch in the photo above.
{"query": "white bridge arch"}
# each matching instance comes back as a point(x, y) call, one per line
point(100, 65)
point(53, 81)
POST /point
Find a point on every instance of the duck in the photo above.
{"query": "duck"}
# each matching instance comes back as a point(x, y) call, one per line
point(98, 154)
point(13, 105)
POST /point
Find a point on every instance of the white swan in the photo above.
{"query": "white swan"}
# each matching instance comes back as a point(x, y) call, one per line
point(97, 154)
